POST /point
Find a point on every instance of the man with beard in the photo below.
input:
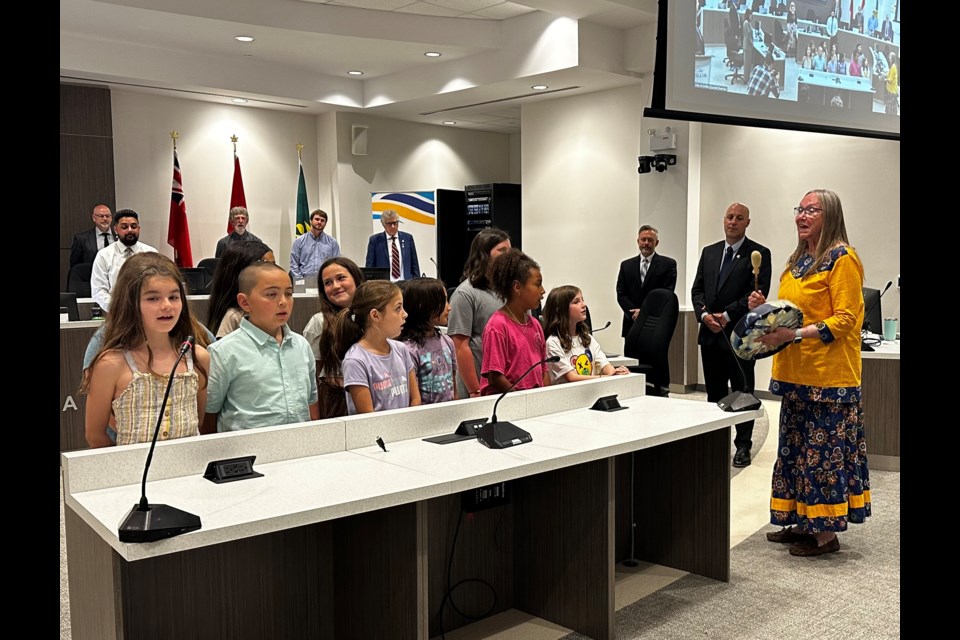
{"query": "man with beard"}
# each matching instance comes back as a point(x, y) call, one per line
point(240, 218)
point(106, 266)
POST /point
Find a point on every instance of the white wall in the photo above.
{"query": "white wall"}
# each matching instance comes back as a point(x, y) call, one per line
point(580, 193)
point(143, 163)
point(405, 156)
point(664, 197)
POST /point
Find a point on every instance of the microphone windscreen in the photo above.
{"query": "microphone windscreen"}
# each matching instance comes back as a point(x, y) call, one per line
point(755, 260)
point(552, 359)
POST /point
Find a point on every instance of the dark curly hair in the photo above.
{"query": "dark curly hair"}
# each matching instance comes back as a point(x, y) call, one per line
point(513, 266)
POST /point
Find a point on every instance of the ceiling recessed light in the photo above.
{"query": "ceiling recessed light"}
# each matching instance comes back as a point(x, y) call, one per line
point(354, 72)
point(244, 38)
point(539, 87)
point(433, 54)
point(240, 101)
point(449, 122)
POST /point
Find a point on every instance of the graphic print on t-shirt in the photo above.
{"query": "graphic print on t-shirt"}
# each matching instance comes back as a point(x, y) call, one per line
point(394, 387)
point(583, 363)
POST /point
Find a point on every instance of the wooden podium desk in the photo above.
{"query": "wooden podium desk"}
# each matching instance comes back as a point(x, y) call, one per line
point(881, 405)
point(340, 539)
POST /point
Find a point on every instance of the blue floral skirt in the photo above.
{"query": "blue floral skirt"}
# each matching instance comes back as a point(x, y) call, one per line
point(820, 479)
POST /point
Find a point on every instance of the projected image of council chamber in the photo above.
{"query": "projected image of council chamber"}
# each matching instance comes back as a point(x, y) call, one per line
point(821, 54)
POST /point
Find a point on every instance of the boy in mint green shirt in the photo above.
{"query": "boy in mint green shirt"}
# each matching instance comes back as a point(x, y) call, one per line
point(262, 374)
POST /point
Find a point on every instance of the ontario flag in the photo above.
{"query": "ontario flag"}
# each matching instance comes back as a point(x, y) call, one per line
point(237, 198)
point(178, 231)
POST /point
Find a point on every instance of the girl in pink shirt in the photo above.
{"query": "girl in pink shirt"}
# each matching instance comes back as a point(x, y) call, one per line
point(513, 340)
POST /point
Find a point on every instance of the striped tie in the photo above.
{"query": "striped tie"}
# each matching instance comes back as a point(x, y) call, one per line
point(394, 259)
point(644, 265)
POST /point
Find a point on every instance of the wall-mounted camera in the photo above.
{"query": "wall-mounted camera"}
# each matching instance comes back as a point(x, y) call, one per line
point(660, 162)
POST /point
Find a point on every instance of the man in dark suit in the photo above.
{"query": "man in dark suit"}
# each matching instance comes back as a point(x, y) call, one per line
point(393, 249)
point(886, 31)
point(87, 243)
point(642, 274)
point(719, 295)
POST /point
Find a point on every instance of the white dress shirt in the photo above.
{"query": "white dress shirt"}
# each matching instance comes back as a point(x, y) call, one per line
point(106, 266)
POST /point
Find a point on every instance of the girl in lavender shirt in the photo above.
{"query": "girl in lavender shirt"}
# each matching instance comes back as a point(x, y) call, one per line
point(425, 301)
point(378, 372)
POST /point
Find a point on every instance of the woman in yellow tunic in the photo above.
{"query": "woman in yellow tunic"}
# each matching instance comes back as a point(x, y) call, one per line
point(820, 479)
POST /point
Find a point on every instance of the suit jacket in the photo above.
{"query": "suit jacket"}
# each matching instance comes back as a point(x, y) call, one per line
point(377, 253)
point(85, 246)
point(662, 274)
point(731, 295)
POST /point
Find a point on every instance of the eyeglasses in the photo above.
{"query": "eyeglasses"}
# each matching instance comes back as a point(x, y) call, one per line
point(395, 223)
point(810, 211)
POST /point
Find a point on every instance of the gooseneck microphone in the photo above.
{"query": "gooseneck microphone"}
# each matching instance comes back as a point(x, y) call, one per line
point(436, 266)
point(601, 328)
point(151, 522)
point(500, 435)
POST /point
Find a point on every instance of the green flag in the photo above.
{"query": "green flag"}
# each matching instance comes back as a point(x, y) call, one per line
point(303, 209)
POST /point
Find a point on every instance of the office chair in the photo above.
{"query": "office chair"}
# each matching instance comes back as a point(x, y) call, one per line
point(734, 56)
point(198, 280)
point(68, 301)
point(78, 279)
point(649, 339)
point(209, 264)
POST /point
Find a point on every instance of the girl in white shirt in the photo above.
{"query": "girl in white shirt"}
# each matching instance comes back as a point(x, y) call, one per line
point(565, 319)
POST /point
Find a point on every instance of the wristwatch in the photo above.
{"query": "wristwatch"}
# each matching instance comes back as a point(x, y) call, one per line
point(797, 337)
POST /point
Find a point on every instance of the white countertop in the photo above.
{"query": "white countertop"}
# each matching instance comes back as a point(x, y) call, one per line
point(314, 489)
point(886, 350)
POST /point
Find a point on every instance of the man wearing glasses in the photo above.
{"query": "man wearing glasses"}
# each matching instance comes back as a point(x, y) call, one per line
point(87, 243)
point(393, 249)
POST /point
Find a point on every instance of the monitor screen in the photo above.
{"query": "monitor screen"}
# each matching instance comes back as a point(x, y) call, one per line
point(872, 315)
point(804, 64)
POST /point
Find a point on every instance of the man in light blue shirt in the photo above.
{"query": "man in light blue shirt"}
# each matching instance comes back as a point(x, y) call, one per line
point(262, 374)
point(311, 250)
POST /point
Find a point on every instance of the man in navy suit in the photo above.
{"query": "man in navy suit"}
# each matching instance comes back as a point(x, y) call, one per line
point(719, 295)
point(87, 243)
point(393, 249)
point(642, 274)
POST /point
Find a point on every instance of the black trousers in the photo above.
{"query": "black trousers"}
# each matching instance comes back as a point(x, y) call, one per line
point(720, 370)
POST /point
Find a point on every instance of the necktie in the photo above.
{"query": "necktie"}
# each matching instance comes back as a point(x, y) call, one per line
point(106, 239)
point(725, 265)
point(644, 265)
point(394, 258)
point(127, 252)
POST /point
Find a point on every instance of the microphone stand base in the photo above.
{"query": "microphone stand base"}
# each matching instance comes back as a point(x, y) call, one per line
point(500, 435)
point(739, 401)
point(157, 522)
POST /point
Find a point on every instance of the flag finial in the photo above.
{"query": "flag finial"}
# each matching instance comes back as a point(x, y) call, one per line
point(174, 135)
point(299, 150)
point(234, 139)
